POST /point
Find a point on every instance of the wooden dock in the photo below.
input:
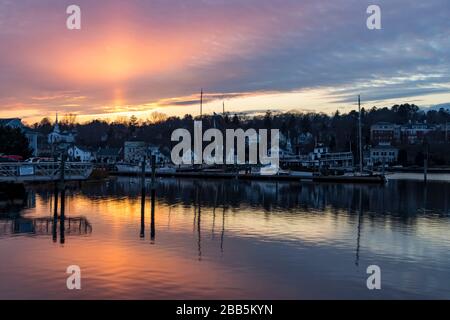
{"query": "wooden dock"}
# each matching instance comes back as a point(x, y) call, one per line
point(250, 176)
point(21, 172)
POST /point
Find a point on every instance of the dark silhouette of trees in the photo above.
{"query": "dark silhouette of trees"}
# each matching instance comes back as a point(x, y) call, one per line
point(14, 142)
point(338, 131)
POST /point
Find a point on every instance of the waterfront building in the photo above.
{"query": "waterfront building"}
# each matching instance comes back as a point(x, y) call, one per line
point(14, 123)
point(153, 150)
point(383, 153)
point(80, 154)
point(134, 151)
point(109, 155)
point(411, 133)
point(414, 133)
point(321, 157)
point(385, 132)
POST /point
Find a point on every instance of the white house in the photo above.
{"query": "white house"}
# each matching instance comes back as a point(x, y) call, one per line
point(80, 154)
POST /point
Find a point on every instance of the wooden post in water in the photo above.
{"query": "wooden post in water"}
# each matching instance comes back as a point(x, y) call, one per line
point(152, 217)
point(143, 193)
point(55, 213)
point(153, 172)
point(62, 217)
point(62, 171)
point(153, 199)
point(63, 198)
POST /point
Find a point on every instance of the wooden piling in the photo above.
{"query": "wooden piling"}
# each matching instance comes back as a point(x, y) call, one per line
point(153, 172)
point(143, 195)
point(55, 213)
point(63, 198)
point(152, 217)
point(62, 217)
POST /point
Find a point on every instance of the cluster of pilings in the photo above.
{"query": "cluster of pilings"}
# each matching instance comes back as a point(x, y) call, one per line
point(152, 197)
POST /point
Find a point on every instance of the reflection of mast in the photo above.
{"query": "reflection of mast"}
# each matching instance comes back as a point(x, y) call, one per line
point(425, 196)
point(223, 230)
point(197, 220)
point(214, 212)
point(360, 217)
point(195, 207)
point(199, 233)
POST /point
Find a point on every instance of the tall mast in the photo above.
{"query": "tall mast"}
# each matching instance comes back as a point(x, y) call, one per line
point(223, 108)
point(201, 103)
point(360, 137)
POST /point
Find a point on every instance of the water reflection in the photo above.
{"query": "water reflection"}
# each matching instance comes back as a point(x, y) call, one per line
point(14, 222)
point(280, 238)
point(360, 219)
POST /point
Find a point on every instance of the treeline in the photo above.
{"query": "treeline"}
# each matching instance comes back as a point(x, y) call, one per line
point(337, 131)
point(14, 142)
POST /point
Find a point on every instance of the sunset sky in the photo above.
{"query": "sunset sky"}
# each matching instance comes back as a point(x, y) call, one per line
point(139, 56)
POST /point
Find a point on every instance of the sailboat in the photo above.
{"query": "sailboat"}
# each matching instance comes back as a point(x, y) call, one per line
point(355, 177)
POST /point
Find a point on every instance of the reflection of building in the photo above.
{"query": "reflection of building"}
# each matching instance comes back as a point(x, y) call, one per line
point(16, 123)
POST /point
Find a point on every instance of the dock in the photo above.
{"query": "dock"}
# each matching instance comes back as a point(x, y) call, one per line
point(22, 172)
point(256, 177)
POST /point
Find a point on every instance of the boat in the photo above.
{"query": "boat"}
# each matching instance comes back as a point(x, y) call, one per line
point(352, 178)
point(127, 168)
point(301, 174)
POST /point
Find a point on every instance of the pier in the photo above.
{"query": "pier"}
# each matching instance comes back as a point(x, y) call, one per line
point(258, 177)
point(21, 172)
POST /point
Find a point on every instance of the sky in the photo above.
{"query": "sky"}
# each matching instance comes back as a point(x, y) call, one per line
point(136, 57)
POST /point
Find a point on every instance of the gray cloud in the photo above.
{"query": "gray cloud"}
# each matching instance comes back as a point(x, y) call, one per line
point(283, 45)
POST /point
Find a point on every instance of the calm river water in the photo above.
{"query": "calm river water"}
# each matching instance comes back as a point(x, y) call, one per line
point(228, 239)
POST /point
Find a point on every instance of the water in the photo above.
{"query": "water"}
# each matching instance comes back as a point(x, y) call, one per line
point(229, 240)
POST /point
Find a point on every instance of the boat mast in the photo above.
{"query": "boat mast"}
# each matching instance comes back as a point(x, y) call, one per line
point(360, 137)
point(201, 104)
